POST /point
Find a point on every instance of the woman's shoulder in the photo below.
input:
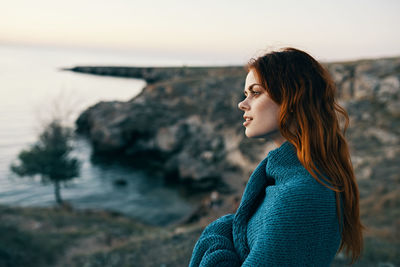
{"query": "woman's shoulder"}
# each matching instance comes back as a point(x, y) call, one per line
point(294, 207)
point(305, 187)
point(300, 195)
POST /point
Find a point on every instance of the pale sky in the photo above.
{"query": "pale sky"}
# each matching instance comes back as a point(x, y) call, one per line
point(229, 30)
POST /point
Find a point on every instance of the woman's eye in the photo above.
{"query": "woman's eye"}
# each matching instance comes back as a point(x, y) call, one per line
point(252, 93)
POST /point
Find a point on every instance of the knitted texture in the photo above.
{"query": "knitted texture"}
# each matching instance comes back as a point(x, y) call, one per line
point(285, 218)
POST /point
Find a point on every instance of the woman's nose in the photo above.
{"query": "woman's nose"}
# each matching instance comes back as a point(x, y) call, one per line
point(242, 105)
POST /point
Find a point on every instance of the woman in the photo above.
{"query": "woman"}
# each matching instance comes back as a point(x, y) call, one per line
point(301, 204)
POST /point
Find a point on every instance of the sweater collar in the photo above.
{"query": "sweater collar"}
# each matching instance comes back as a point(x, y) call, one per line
point(280, 161)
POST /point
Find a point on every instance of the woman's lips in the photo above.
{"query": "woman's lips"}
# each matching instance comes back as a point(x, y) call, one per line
point(247, 122)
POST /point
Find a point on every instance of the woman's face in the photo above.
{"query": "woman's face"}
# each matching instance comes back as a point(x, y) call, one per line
point(261, 113)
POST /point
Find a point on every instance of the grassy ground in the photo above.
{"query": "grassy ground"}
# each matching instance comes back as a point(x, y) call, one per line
point(62, 237)
point(59, 237)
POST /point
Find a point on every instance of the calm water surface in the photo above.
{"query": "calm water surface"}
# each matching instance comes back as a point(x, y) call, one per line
point(32, 87)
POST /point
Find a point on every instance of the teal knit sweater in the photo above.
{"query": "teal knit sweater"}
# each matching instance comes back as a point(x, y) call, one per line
point(285, 218)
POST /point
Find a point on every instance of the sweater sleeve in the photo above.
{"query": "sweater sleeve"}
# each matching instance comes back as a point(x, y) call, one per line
point(215, 246)
point(294, 227)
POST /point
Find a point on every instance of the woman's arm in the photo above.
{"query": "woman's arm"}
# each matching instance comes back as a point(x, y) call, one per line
point(215, 246)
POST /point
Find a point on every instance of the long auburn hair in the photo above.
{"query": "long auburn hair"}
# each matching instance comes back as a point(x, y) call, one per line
point(309, 120)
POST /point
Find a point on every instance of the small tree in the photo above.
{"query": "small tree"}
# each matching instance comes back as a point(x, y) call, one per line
point(49, 157)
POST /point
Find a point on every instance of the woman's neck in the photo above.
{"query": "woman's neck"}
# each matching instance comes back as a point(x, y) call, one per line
point(279, 140)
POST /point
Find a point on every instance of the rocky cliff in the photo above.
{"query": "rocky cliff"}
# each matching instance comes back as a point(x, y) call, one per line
point(186, 120)
point(187, 126)
point(370, 92)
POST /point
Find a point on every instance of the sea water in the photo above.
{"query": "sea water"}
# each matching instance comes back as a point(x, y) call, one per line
point(34, 88)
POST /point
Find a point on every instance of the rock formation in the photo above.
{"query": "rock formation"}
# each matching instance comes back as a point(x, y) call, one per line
point(188, 126)
point(186, 120)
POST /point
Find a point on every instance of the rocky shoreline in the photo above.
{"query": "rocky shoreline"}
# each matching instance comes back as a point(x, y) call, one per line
point(153, 74)
point(186, 125)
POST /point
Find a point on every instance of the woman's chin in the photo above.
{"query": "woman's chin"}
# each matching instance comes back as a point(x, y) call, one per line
point(249, 134)
point(270, 135)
